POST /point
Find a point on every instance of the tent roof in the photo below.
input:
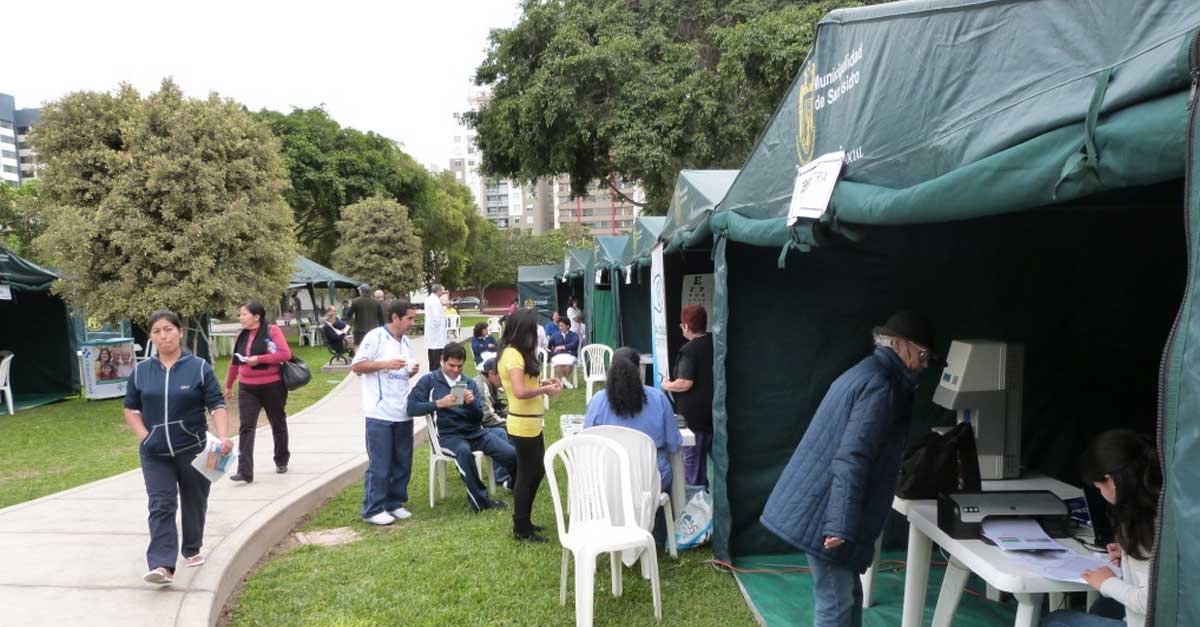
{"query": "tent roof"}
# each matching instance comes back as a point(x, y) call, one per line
point(305, 271)
point(612, 250)
point(696, 193)
point(646, 230)
point(577, 261)
point(537, 274)
point(961, 123)
point(21, 274)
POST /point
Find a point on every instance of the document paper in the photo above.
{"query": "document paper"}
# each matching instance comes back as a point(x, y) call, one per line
point(1018, 534)
point(1063, 565)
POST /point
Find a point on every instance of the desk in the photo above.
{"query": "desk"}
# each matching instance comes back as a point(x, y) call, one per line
point(968, 556)
point(573, 423)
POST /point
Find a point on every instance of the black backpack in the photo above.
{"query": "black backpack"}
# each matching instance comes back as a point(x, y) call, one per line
point(940, 463)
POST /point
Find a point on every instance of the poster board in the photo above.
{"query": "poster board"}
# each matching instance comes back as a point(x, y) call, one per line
point(658, 315)
point(106, 365)
point(698, 290)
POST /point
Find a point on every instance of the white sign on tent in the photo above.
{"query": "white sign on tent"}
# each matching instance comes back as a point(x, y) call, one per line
point(814, 185)
point(658, 315)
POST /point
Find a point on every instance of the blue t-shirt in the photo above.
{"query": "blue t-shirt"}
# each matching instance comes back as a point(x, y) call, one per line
point(656, 420)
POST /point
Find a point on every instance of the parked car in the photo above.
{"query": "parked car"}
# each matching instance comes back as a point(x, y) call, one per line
point(466, 302)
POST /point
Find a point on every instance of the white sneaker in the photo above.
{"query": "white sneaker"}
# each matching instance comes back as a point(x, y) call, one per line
point(382, 518)
point(401, 514)
point(160, 576)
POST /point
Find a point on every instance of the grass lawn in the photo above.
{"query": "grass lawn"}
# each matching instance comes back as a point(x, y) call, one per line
point(66, 444)
point(446, 566)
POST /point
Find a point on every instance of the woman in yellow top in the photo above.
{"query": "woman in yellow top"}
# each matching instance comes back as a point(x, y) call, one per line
point(519, 369)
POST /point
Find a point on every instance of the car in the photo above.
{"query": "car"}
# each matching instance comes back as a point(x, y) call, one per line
point(466, 302)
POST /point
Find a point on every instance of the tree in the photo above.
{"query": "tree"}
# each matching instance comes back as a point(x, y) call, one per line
point(445, 222)
point(642, 89)
point(19, 219)
point(378, 243)
point(160, 202)
point(331, 167)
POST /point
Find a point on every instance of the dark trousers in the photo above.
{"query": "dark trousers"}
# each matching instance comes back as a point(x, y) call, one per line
point(251, 399)
point(435, 358)
point(492, 445)
point(530, 472)
point(389, 465)
point(358, 337)
point(172, 484)
point(695, 459)
point(502, 474)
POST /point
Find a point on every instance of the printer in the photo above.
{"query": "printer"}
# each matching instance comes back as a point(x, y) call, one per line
point(961, 514)
point(982, 383)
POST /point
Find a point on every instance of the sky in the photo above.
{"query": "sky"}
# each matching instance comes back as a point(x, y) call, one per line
point(398, 68)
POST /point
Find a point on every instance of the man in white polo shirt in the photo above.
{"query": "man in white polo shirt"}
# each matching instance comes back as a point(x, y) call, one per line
point(386, 362)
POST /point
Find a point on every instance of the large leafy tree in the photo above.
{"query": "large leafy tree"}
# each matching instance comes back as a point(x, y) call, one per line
point(589, 87)
point(378, 242)
point(446, 222)
point(331, 167)
point(18, 215)
point(163, 201)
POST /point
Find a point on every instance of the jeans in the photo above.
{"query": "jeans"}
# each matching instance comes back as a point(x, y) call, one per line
point(271, 397)
point(502, 474)
point(502, 453)
point(172, 483)
point(695, 459)
point(389, 465)
point(530, 473)
point(837, 594)
point(1075, 618)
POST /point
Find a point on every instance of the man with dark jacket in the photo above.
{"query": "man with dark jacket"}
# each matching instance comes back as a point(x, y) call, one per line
point(366, 314)
point(833, 498)
point(460, 423)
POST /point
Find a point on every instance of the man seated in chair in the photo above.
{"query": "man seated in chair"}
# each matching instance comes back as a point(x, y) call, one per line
point(495, 408)
point(336, 332)
point(455, 400)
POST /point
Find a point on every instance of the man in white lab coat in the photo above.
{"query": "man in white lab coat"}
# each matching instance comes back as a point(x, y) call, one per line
point(435, 325)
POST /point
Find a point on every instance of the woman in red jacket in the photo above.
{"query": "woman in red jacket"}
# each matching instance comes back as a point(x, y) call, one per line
point(257, 353)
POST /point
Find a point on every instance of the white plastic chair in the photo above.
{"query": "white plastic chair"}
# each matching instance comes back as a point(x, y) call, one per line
point(595, 358)
point(6, 382)
point(454, 326)
point(648, 496)
point(440, 458)
point(494, 324)
point(594, 527)
point(543, 356)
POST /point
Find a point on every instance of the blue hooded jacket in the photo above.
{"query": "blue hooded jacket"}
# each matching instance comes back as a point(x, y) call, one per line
point(173, 403)
point(842, 477)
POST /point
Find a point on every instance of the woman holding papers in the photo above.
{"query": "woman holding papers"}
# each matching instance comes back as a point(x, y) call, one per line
point(1124, 467)
point(165, 402)
point(258, 351)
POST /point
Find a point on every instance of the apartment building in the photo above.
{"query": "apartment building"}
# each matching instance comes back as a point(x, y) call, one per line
point(17, 160)
point(602, 210)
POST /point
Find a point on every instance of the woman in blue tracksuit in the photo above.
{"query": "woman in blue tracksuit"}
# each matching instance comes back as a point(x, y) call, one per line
point(165, 402)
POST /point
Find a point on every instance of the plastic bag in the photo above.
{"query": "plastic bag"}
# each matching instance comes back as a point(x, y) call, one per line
point(693, 527)
point(211, 463)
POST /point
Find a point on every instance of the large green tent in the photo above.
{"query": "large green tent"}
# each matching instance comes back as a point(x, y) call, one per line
point(311, 275)
point(1016, 170)
point(602, 302)
point(634, 283)
point(697, 192)
point(538, 284)
point(35, 327)
point(572, 280)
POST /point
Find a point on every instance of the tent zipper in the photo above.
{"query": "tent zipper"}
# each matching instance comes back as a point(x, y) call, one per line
point(1165, 362)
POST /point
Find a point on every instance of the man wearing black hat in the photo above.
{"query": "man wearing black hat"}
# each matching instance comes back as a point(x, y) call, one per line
point(833, 498)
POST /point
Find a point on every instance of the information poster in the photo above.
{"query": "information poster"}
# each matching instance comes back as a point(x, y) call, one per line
point(658, 315)
point(698, 290)
point(106, 365)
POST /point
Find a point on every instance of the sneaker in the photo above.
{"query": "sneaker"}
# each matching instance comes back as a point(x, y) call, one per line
point(401, 514)
point(240, 477)
point(194, 560)
point(508, 484)
point(498, 504)
point(281, 469)
point(160, 576)
point(529, 536)
point(382, 518)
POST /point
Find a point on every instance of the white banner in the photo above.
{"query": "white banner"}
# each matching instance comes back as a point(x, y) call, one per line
point(814, 185)
point(658, 315)
point(106, 365)
point(698, 290)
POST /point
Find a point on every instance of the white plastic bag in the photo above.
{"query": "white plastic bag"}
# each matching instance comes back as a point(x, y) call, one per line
point(694, 525)
point(211, 463)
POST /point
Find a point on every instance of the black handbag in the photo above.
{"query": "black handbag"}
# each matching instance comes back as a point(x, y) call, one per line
point(295, 373)
point(940, 463)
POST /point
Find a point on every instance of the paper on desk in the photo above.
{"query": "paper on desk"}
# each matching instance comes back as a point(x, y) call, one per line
point(1063, 565)
point(1018, 534)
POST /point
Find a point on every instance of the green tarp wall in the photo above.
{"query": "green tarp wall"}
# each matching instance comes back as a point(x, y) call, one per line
point(538, 283)
point(575, 271)
point(635, 292)
point(604, 300)
point(36, 327)
point(1016, 170)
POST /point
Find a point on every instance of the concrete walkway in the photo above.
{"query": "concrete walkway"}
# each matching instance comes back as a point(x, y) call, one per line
point(77, 557)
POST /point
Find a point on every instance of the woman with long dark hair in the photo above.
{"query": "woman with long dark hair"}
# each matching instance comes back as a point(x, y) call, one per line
point(1124, 467)
point(519, 370)
point(257, 353)
point(626, 402)
point(165, 400)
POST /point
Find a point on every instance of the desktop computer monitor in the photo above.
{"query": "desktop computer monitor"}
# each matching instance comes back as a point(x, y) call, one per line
point(1098, 513)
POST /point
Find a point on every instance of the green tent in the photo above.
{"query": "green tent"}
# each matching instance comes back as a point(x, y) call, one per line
point(634, 284)
point(697, 192)
point(572, 281)
point(602, 303)
point(538, 284)
point(1015, 170)
point(311, 275)
point(35, 326)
